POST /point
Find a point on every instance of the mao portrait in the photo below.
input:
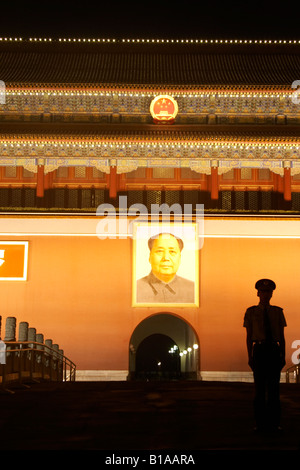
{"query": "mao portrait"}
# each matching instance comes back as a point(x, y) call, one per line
point(163, 283)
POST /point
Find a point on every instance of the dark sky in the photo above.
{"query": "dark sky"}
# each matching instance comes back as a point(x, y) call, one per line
point(151, 19)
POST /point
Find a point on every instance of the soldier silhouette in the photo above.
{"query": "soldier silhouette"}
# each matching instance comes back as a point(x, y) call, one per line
point(265, 324)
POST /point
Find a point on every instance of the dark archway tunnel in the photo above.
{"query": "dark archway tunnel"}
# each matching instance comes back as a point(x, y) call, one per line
point(157, 357)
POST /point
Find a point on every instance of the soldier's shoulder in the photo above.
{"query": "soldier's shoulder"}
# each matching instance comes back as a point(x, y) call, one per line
point(276, 307)
point(252, 307)
point(251, 310)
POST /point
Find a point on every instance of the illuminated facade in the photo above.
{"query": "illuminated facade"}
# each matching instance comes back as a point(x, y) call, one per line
point(77, 118)
point(81, 126)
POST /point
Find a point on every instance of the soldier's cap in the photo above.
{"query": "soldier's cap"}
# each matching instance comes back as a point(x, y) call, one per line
point(265, 285)
point(151, 240)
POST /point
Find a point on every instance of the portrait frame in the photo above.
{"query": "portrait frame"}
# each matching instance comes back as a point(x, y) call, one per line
point(189, 265)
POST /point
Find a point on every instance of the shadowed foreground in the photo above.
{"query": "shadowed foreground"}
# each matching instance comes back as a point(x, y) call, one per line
point(140, 416)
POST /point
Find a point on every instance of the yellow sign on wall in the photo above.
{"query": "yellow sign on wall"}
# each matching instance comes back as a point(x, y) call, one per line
point(13, 261)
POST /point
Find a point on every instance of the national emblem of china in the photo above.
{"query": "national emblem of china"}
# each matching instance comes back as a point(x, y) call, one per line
point(163, 109)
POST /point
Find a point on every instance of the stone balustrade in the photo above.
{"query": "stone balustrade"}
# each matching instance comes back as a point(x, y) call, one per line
point(26, 357)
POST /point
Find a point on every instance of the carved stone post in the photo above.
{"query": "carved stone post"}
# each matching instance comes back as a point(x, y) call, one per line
point(23, 331)
point(10, 329)
point(32, 336)
point(40, 339)
point(23, 337)
point(39, 355)
point(10, 335)
point(48, 356)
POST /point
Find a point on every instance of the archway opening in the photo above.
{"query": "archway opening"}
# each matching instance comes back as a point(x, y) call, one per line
point(151, 342)
point(157, 358)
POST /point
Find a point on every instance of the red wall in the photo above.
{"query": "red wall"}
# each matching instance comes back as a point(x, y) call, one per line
point(78, 293)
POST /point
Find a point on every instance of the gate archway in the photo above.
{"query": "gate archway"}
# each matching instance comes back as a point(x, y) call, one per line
point(166, 347)
point(157, 357)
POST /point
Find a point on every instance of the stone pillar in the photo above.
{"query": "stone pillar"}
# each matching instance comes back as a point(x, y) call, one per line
point(10, 329)
point(32, 335)
point(48, 352)
point(23, 331)
point(23, 337)
point(60, 365)
point(39, 347)
point(55, 362)
point(10, 335)
point(48, 343)
point(56, 348)
point(48, 357)
point(39, 339)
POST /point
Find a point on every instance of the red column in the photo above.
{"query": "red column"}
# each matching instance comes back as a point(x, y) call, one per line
point(287, 184)
point(113, 182)
point(40, 181)
point(214, 183)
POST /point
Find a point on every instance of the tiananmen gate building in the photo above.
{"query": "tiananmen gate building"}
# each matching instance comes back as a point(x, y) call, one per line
point(98, 138)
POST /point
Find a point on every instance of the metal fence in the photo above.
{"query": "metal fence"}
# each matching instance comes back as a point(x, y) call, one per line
point(30, 358)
